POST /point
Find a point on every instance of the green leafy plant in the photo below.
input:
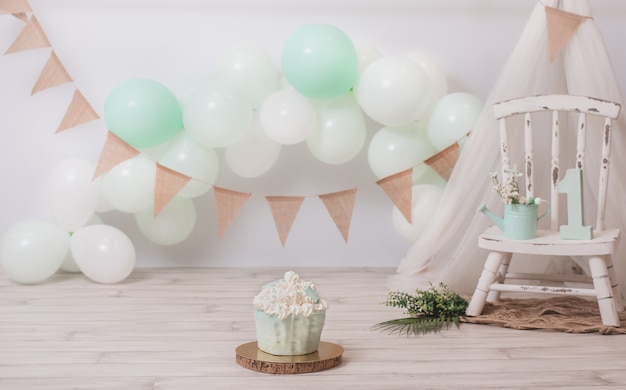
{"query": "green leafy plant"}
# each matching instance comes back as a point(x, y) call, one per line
point(429, 310)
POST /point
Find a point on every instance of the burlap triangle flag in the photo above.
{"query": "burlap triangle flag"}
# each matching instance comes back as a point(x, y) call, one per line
point(228, 204)
point(561, 25)
point(115, 151)
point(22, 16)
point(53, 74)
point(14, 7)
point(444, 161)
point(398, 188)
point(284, 211)
point(78, 112)
point(31, 37)
point(340, 206)
point(167, 185)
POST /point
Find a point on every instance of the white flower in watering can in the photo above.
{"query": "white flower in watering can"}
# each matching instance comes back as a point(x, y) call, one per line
point(509, 190)
point(520, 214)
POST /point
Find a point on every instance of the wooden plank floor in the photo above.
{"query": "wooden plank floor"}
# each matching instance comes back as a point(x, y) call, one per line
point(178, 329)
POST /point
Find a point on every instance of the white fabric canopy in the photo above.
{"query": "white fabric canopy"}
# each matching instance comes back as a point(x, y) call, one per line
point(447, 251)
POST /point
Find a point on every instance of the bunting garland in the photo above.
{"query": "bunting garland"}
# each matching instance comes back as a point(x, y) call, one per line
point(14, 7)
point(443, 162)
point(398, 188)
point(52, 75)
point(167, 185)
point(561, 26)
point(115, 151)
point(31, 37)
point(340, 206)
point(21, 16)
point(228, 204)
point(78, 112)
point(284, 211)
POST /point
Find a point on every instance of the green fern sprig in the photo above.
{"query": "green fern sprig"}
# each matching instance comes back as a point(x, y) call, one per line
point(429, 311)
point(415, 325)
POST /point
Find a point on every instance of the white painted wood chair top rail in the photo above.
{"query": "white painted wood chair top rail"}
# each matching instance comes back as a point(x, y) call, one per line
point(587, 105)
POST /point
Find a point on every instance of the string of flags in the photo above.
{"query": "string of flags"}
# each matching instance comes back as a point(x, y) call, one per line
point(284, 209)
point(561, 26)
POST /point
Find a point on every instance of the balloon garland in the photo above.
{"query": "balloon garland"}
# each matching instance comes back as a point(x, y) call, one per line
point(331, 87)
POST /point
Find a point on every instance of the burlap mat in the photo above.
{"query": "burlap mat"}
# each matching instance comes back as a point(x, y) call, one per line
point(564, 314)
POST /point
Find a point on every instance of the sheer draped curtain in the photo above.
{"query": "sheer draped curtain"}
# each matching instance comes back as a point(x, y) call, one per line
point(447, 251)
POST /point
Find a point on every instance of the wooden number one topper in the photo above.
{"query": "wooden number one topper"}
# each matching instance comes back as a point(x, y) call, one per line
point(572, 185)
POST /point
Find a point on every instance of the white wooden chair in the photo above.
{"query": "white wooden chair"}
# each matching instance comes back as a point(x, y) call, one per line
point(597, 250)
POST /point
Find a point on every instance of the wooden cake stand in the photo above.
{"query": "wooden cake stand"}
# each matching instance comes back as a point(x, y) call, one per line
point(328, 355)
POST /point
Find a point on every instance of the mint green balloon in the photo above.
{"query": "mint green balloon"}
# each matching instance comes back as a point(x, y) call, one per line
point(320, 61)
point(143, 112)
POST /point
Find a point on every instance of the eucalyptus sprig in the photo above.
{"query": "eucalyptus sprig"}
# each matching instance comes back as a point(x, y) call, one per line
point(429, 310)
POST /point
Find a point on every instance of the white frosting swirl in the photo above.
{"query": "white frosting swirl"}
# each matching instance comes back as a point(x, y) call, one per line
point(289, 295)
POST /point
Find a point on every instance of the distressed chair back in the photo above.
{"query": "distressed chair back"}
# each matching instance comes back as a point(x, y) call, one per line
point(559, 105)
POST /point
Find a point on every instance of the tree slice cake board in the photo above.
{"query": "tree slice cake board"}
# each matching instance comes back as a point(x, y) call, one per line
point(328, 355)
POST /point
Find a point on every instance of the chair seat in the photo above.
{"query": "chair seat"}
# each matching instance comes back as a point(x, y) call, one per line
point(549, 242)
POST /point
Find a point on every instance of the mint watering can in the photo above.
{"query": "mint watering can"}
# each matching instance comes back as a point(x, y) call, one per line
point(519, 221)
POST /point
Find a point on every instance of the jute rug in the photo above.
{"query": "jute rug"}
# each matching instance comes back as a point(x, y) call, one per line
point(564, 314)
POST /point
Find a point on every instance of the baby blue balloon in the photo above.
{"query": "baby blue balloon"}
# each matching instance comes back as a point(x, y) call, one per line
point(143, 112)
point(320, 61)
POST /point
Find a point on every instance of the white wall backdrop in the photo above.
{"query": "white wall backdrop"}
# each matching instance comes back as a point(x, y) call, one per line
point(103, 42)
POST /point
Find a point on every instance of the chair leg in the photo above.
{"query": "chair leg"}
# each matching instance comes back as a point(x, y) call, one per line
point(604, 290)
point(494, 296)
point(617, 295)
point(487, 278)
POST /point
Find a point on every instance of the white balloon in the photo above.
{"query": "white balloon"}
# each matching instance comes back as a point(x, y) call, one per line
point(103, 253)
point(393, 91)
point(188, 157)
point(283, 83)
point(173, 224)
point(73, 196)
point(129, 186)
point(395, 149)
point(103, 204)
point(32, 251)
point(425, 199)
point(250, 68)
point(340, 131)
point(287, 117)
point(253, 155)
point(190, 84)
point(437, 80)
point(366, 55)
point(453, 117)
point(217, 114)
point(69, 264)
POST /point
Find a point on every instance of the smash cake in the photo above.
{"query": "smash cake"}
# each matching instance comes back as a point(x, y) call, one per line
point(289, 316)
